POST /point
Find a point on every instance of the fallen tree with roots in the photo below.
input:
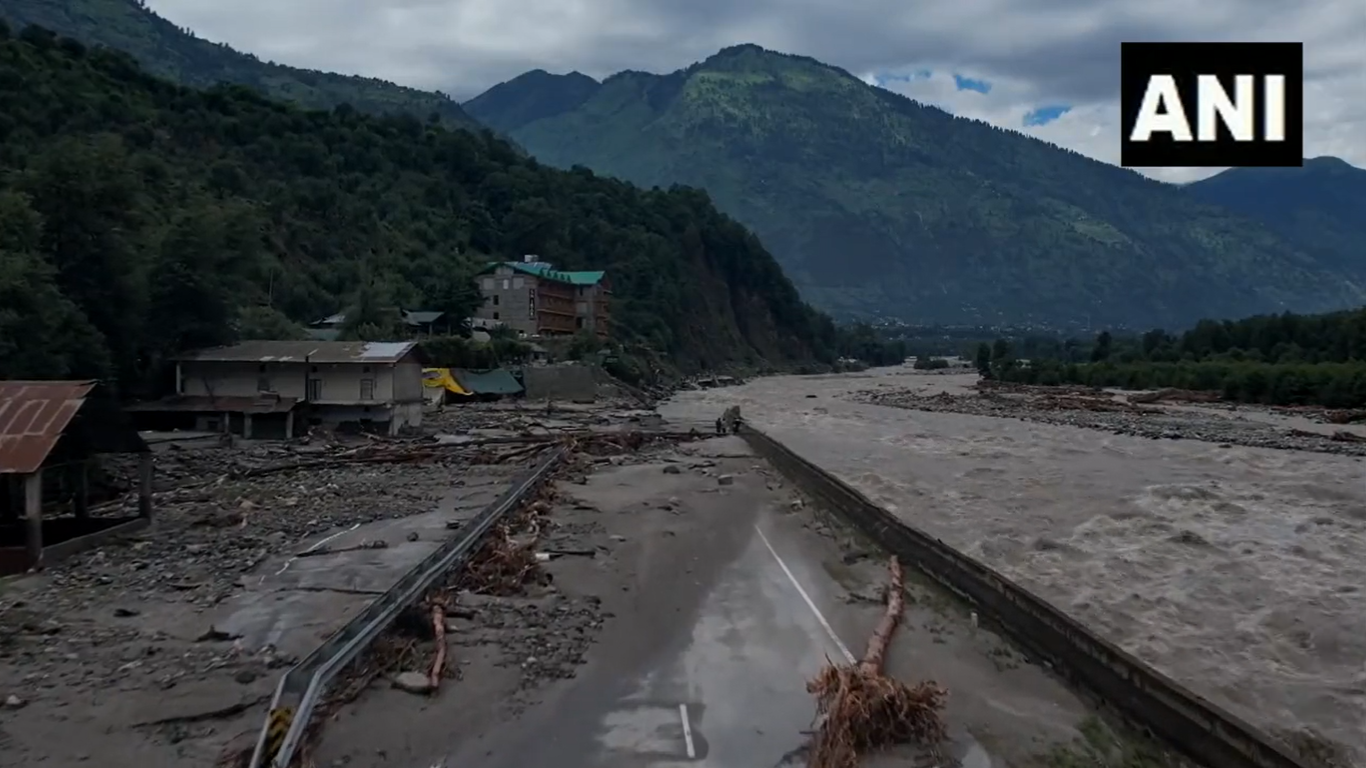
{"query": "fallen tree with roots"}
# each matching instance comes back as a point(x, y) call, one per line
point(860, 709)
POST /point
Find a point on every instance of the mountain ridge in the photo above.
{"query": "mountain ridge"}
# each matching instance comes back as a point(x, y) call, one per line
point(140, 218)
point(173, 52)
point(1321, 207)
point(879, 205)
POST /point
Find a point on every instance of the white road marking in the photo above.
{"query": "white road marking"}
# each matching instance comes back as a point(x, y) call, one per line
point(687, 731)
point(820, 617)
point(311, 548)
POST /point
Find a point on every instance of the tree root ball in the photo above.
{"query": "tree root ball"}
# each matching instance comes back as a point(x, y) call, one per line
point(860, 711)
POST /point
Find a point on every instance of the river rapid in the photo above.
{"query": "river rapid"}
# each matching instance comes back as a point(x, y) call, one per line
point(1238, 571)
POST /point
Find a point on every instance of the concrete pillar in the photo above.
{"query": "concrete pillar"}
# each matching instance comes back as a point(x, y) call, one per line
point(289, 425)
point(145, 485)
point(246, 426)
point(80, 502)
point(33, 517)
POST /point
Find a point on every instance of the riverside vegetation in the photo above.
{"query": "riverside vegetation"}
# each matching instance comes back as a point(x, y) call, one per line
point(1284, 359)
point(139, 218)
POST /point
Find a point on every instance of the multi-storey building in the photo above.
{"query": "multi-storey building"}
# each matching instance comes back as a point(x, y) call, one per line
point(534, 298)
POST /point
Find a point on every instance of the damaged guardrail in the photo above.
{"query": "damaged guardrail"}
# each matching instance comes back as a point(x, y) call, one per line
point(1144, 696)
point(303, 685)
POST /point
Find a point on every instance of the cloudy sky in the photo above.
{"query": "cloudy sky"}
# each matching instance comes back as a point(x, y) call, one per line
point(1046, 67)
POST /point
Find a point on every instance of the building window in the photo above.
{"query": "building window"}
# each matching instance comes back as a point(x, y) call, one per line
point(263, 384)
point(315, 389)
point(495, 315)
point(518, 282)
point(367, 389)
point(578, 322)
point(488, 283)
point(365, 369)
point(505, 283)
point(495, 299)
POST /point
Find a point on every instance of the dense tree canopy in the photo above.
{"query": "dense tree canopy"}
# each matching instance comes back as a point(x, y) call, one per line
point(139, 218)
point(1284, 359)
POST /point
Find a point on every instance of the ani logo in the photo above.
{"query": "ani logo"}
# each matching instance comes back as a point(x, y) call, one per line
point(1212, 105)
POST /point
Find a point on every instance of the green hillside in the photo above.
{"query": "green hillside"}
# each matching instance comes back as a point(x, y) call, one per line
point(176, 54)
point(878, 205)
point(139, 218)
point(1321, 208)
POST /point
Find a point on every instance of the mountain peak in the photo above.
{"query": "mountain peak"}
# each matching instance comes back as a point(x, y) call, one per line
point(529, 97)
point(1326, 160)
point(880, 205)
point(741, 49)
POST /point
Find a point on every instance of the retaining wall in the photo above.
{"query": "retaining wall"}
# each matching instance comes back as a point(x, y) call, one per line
point(1147, 698)
point(574, 383)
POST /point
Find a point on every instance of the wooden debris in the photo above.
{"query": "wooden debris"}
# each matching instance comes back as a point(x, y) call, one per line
point(438, 663)
point(860, 709)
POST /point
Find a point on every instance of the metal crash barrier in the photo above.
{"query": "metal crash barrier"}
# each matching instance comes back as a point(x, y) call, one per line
point(302, 686)
point(1142, 695)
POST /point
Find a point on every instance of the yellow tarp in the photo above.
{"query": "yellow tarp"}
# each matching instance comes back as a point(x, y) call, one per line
point(441, 377)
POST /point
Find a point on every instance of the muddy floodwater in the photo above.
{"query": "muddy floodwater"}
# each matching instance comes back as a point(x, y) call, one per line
point(1240, 572)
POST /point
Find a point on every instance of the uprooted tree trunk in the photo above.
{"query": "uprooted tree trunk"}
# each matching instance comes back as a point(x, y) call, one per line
point(858, 708)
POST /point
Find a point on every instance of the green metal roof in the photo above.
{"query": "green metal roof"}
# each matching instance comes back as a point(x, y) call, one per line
point(549, 273)
point(498, 381)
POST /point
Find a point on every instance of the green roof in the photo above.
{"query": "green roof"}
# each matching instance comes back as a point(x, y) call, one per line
point(549, 273)
point(498, 381)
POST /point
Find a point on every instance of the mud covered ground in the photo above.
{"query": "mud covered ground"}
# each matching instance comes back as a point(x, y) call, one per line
point(118, 656)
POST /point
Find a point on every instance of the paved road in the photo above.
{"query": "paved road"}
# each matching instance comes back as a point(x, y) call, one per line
point(726, 689)
point(721, 602)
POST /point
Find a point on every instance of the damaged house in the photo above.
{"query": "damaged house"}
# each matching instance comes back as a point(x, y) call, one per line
point(276, 389)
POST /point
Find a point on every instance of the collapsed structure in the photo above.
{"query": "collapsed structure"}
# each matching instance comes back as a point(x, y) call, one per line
point(273, 389)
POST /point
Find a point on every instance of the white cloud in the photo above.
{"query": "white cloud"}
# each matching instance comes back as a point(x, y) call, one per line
point(1034, 52)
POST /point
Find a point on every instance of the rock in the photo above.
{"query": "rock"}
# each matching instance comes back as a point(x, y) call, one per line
point(725, 480)
point(124, 613)
point(245, 677)
point(14, 702)
point(671, 469)
point(796, 504)
point(618, 537)
point(413, 536)
point(413, 682)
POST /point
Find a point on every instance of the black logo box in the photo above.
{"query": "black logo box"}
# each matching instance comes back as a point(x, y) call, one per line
point(1184, 62)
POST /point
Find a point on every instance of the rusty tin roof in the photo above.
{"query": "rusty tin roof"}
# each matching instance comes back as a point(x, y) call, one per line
point(33, 415)
point(320, 352)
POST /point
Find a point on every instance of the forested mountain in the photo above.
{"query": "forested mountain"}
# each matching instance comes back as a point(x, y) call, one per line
point(172, 52)
point(876, 204)
point(1321, 208)
point(139, 218)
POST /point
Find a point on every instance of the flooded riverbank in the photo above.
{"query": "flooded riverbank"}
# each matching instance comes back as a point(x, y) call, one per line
point(1239, 571)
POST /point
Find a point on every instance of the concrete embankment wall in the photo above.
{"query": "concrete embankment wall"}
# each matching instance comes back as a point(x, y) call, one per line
point(573, 383)
point(1091, 664)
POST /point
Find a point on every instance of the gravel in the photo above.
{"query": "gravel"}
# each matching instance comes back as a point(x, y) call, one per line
point(1189, 424)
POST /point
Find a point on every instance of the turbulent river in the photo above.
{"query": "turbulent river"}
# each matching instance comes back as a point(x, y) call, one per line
point(1240, 572)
